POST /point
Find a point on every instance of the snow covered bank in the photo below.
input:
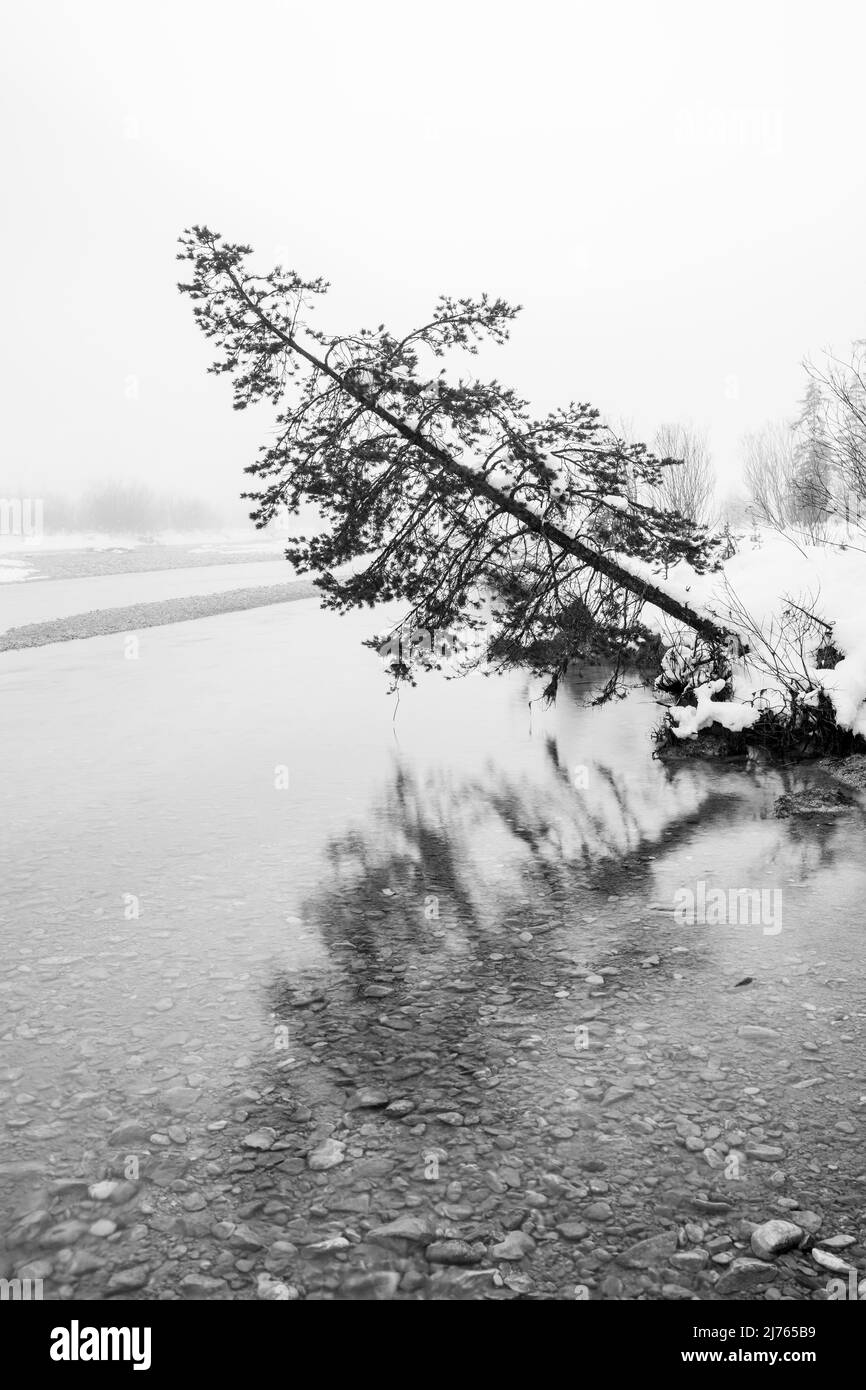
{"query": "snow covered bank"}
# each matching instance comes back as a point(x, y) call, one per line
point(799, 612)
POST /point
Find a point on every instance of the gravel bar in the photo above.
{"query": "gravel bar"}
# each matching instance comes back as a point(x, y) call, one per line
point(100, 622)
point(142, 559)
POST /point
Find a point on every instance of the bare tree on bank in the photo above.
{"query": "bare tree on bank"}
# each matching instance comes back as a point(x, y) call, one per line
point(445, 493)
point(769, 472)
point(688, 480)
point(842, 385)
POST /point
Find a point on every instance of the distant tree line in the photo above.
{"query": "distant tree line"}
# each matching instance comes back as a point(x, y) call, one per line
point(808, 474)
point(131, 508)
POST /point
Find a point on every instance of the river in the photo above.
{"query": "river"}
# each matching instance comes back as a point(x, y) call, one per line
point(284, 961)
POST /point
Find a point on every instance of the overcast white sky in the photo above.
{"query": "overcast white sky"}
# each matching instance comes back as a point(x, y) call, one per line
point(675, 191)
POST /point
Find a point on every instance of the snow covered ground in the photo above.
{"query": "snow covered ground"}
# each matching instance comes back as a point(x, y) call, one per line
point(765, 594)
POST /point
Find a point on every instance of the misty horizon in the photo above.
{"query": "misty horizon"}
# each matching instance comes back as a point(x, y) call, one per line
point(678, 206)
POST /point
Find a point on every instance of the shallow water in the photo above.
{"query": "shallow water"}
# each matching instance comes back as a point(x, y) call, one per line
point(245, 895)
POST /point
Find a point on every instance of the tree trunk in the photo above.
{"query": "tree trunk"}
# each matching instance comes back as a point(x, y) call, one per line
point(642, 589)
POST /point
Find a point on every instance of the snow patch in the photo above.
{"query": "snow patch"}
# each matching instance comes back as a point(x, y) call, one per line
point(763, 594)
point(12, 571)
point(688, 720)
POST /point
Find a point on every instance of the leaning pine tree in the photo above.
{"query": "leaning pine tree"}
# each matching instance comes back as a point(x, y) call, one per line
point(445, 493)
